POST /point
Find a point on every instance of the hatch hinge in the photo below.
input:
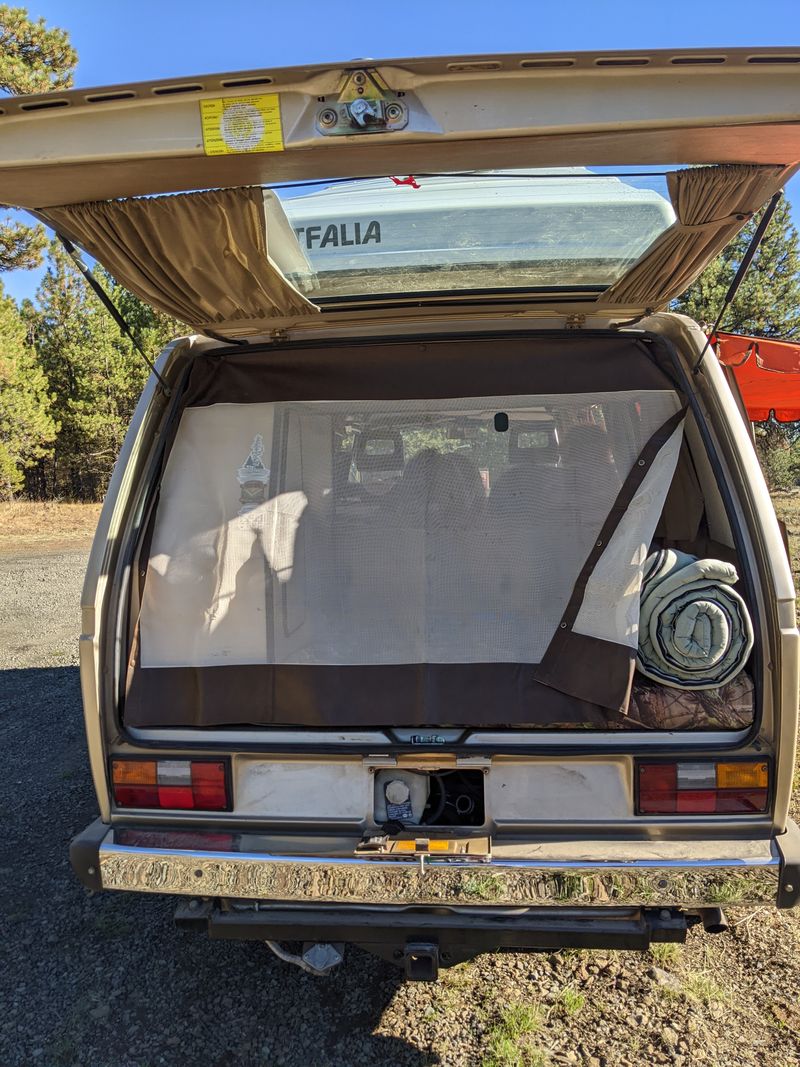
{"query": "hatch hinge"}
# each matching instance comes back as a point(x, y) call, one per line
point(575, 322)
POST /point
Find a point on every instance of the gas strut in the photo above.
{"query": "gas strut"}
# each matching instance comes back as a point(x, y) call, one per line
point(109, 305)
point(738, 278)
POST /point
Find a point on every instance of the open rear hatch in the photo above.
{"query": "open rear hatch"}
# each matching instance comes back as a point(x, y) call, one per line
point(433, 534)
point(82, 158)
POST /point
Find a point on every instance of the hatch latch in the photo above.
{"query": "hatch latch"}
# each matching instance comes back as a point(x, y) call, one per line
point(365, 104)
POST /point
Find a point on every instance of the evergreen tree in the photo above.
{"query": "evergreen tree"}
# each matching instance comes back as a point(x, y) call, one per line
point(95, 374)
point(768, 301)
point(34, 58)
point(27, 428)
point(767, 305)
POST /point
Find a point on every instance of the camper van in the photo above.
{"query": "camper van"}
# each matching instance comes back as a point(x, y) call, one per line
point(437, 605)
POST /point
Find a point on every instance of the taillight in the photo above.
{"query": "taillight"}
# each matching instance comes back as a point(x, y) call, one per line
point(197, 785)
point(703, 788)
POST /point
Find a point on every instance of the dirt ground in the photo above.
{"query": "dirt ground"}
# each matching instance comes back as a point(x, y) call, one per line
point(106, 979)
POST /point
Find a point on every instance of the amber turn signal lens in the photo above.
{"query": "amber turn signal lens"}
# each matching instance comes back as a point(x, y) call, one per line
point(742, 775)
point(422, 845)
point(134, 772)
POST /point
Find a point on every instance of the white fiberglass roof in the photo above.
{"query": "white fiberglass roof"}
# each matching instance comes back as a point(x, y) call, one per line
point(568, 226)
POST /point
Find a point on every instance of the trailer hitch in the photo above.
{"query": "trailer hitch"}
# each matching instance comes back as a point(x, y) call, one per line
point(421, 959)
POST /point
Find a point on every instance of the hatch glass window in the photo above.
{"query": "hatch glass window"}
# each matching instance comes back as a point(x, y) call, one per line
point(557, 229)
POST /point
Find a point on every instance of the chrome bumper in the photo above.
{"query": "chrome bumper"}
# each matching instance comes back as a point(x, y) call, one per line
point(649, 874)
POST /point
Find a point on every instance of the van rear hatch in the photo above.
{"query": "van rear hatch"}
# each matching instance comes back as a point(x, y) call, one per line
point(425, 534)
point(91, 163)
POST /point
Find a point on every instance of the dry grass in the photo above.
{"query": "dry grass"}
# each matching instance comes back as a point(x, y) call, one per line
point(787, 507)
point(25, 525)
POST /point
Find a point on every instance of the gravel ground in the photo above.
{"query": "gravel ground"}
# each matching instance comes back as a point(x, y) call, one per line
point(106, 980)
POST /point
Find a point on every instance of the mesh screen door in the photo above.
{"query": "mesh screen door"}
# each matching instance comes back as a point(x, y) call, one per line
point(399, 532)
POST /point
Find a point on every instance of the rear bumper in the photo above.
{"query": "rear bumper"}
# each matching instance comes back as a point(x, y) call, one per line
point(617, 874)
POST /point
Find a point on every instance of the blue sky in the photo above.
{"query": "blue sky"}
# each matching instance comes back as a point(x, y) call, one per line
point(134, 40)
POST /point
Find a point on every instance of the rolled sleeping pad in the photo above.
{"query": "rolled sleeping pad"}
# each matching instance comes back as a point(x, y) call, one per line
point(695, 631)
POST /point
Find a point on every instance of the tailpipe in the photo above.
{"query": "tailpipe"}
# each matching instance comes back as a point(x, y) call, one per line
point(713, 920)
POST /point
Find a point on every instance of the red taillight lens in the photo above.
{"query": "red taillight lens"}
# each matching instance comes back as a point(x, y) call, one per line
point(658, 786)
point(197, 785)
point(741, 801)
point(695, 802)
point(703, 788)
point(174, 783)
point(174, 839)
point(209, 786)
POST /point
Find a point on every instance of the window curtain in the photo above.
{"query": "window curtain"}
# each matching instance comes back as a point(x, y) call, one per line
point(711, 204)
point(201, 257)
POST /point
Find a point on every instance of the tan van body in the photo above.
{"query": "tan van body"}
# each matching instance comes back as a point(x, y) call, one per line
point(380, 764)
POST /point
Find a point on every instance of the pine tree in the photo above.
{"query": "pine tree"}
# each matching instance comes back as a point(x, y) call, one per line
point(767, 305)
point(768, 302)
point(34, 58)
point(94, 373)
point(27, 428)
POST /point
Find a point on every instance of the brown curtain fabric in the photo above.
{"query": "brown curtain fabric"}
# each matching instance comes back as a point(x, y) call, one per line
point(486, 366)
point(200, 257)
point(406, 694)
point(712, 204)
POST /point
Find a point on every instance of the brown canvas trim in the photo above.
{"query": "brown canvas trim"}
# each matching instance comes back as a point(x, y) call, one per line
point(414, 694)
point(430, 369)
point(711, 206)
point(588, 667)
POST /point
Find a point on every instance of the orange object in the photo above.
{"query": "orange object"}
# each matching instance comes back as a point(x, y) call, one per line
point(134, 772)
point(767, 373)
point(742, 775)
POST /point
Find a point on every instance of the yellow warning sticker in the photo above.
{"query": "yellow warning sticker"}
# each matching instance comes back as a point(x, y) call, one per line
point(234, 124)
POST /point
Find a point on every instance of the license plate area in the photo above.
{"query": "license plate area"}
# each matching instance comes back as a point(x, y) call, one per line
point(416, 845)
